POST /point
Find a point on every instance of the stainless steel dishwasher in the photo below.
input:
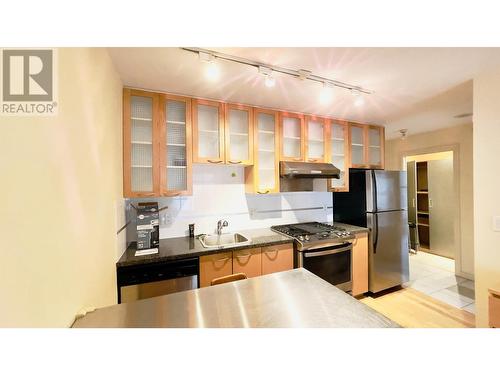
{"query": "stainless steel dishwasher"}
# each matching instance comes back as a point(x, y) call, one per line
point(154, 279)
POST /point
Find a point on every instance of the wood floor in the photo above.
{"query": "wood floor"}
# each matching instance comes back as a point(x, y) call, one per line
point(413, 309)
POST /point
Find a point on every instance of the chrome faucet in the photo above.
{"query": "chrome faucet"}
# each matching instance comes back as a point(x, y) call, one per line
point(221, 224)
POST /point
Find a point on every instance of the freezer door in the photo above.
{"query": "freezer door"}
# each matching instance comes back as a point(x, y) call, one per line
point(385, 190)
point(388, 259)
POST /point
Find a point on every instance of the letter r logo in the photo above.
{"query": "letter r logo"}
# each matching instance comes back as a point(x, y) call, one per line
point(27, 75)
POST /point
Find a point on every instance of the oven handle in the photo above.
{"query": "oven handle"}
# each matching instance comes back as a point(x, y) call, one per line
point(327, 252)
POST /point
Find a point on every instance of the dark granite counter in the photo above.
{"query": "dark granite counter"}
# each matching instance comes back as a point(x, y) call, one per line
point(350, 228)
point(185, 247)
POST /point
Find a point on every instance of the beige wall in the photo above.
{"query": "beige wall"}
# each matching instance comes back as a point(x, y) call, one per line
point(61, 178)
point(460, 138)
point(486, 188)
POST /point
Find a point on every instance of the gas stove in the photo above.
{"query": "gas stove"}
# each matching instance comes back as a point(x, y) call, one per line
point(314, 234)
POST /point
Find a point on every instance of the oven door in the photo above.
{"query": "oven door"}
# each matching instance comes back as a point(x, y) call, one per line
point(332, 263)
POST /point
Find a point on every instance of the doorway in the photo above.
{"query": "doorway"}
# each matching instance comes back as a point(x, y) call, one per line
point(434, 222)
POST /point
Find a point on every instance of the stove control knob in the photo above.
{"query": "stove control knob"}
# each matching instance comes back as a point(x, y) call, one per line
point(301, 238)
point(306, 237)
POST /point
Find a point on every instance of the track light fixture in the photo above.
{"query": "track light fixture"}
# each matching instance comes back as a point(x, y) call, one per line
point(326, 94)
point(212, 70)
point(301, 74)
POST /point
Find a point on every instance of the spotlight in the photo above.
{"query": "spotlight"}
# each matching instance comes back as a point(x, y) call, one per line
point(326, 94)
point(212, 70)
point(270, 81)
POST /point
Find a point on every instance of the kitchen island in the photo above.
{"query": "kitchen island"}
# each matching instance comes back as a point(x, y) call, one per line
point(295, 298)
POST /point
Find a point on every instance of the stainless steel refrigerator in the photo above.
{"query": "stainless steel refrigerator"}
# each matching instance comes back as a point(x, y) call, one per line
point(377, 200)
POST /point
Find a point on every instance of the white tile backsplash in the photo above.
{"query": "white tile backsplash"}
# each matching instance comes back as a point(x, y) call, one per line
point(219, 193)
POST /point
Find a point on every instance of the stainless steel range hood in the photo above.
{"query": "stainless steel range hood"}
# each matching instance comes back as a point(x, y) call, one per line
point(292, 169)
point(299, 176)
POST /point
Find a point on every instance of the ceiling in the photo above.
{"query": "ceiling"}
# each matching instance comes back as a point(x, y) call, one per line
point(420, 89)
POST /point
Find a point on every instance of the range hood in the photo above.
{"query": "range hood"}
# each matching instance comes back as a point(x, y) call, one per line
point(293, 169)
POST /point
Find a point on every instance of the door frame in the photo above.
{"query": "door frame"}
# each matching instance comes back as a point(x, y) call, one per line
point(455, 147)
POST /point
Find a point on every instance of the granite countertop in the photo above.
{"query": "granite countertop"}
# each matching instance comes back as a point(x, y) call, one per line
point(295, 298)
point(185, 247)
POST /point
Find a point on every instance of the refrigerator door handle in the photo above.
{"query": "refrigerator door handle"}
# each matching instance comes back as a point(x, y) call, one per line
point(374, 184)
point(375, 236)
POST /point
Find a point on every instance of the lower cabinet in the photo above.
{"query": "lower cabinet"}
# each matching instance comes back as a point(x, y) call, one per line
point(277, 258)
point(494, 307)
point(252, 262)
point(360, 264)
point(248, 261)
point(214, 266)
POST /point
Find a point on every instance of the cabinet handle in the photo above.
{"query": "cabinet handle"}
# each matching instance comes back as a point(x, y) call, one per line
point(171, 194)
point(312, 160)
point(244, 256)
point(234, 162)
point(297, 159)
point(263, 192)
point(430, 203)
point(214, 161)
point(221, 259)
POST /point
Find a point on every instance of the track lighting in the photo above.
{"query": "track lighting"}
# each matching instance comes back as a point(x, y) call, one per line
point(403, 133)
point(269, 70)
point(359, 100)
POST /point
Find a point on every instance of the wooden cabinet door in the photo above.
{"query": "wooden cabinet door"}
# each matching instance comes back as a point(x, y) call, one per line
point(208, 131)
point(175, 146)
point(315, 139)
point(214, 266)
point(238, 134)
point(338, 154)
point(140, 144)
point(263, 177)
point(292, 137)
point(277, 258)
point(248, 261)
point(375, 147)
point(360, 264)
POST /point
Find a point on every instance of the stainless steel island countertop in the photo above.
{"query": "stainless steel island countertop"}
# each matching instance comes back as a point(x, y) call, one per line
point(295, 298)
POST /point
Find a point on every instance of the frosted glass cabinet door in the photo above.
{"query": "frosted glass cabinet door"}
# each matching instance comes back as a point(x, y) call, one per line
point(375, 147)
point(358, 144)
point(175, 146)
point(239, 135)
point(208, 131)
point(339, 156)
point(292, 137)
point(266, 163)
point(140, 153)
point(315, 139)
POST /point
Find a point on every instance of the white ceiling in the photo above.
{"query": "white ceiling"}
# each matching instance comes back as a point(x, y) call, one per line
point(420, 89)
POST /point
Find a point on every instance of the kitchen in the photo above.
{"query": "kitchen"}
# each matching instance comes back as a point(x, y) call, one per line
point(232, 187)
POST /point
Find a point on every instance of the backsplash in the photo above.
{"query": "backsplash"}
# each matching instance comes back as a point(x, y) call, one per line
point(219, 193)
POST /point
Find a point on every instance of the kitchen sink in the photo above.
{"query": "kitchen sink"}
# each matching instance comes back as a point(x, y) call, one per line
point(223, 240)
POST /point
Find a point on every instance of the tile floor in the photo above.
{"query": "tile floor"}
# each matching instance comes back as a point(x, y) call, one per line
point(435, 276)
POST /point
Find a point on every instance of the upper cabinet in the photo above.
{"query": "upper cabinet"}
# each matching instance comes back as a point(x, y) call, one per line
point(292, 137)
point(175, 146)
point(376, 138)
point(140, 144)
point(208, 131)
point(263, 177)
point(157, 144)
point(367, 146)
point(239, 134)
point(339, 154)
point(316, 134)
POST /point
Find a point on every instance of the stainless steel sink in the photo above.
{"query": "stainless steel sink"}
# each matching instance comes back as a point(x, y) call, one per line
point(223, 240)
